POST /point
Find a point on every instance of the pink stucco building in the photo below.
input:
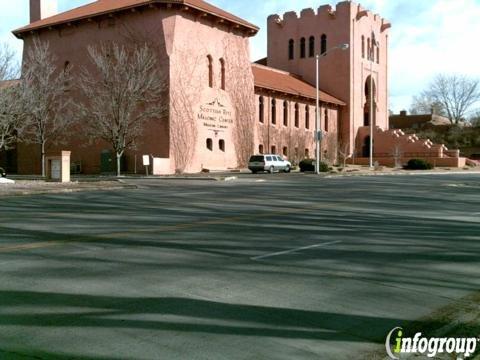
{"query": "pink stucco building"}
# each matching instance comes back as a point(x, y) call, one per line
point(221, 108)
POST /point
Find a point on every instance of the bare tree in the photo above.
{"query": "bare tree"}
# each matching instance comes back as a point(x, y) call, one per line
point(475, 119)
point(424, 104)
point(344, 153)
point(8, 65)
point(183, 124)
point(9, 99)
point(121, 92)
point(243, 98)
point(329, 147)
point(10, 114)
point(45, 106)
point(456, 93)
point(397, 154)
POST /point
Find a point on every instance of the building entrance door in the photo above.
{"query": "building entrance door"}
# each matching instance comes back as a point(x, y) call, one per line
point(366, 147)
point(56, 168)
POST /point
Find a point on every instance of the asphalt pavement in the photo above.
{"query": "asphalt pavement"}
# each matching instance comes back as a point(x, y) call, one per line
point(283, 266)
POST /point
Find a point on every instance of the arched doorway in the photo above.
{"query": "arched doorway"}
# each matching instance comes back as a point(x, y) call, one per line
point(368, 96)
point(366, 147)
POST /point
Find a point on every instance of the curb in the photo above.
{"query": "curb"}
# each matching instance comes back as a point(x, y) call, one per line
point(66, 191)
point(403, 174)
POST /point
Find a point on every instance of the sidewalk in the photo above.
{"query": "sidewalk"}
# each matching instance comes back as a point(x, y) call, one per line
point(365, 171)
point(34, 187)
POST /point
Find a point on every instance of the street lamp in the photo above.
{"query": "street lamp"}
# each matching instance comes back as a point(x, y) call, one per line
point(372, 102)
point(318, 131)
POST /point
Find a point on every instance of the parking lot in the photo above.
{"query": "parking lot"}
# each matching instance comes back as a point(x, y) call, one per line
point(283, 266)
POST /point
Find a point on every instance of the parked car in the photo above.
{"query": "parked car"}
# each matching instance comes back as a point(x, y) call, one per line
point(3, 173)
point(270, 163)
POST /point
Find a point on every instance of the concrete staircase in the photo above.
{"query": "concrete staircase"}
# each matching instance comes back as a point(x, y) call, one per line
point(394, 147)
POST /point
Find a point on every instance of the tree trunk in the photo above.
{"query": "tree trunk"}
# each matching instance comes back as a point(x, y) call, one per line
point(43, 160)
point(119, 157)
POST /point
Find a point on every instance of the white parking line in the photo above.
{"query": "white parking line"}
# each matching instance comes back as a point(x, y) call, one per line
point(294, 250)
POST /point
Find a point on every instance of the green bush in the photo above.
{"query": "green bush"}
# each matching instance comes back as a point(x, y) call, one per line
point(309, 165)
point(418, 164)
point(324, 167)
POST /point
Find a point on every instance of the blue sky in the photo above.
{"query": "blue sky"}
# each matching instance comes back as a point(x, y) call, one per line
point(428, 36)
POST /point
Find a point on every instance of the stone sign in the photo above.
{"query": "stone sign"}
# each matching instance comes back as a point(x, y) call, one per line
point(215, 115)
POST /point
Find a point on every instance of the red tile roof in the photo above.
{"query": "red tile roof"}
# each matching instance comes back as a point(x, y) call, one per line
point(284, 82)
point(102, 7)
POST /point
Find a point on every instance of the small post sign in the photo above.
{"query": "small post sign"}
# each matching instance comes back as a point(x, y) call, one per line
point(146, 163)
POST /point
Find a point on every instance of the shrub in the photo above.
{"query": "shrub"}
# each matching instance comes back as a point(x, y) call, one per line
point(324, 167)
point(418, 164)
point(309, 165)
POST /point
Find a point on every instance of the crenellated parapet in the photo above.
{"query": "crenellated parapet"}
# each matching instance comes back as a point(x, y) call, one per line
point(343, 10)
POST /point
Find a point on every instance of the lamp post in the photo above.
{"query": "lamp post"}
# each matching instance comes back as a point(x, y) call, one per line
point(318, 131)
point(372, 94)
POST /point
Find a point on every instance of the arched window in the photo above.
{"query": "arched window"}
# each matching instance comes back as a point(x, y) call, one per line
point(307, 153)
point(326, 120)
point(323, 47)
point(261, 109)
point(369, 49)
point(297, 116)
point(285, 151)
point(307, 117)
point(222, 74)
point(210, 144)
point(210, 71)
point(378, 54)
point(363, 47)
point(302, 48)
point(274, 149)
point(274, 112)
point(221, 145)
point(260, 149)
point(311, 46)
point(291, 49)
point(285, 113)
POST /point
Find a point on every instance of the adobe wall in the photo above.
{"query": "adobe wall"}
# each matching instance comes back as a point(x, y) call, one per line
point(70, 44)
point(201, 113)
point(285, 138)
point(343, 74)
point(193, 112)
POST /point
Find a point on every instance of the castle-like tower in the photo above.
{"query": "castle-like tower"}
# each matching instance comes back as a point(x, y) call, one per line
point(294, 41)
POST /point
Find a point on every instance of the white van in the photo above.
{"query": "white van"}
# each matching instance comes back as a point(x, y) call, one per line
point(270, 163)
